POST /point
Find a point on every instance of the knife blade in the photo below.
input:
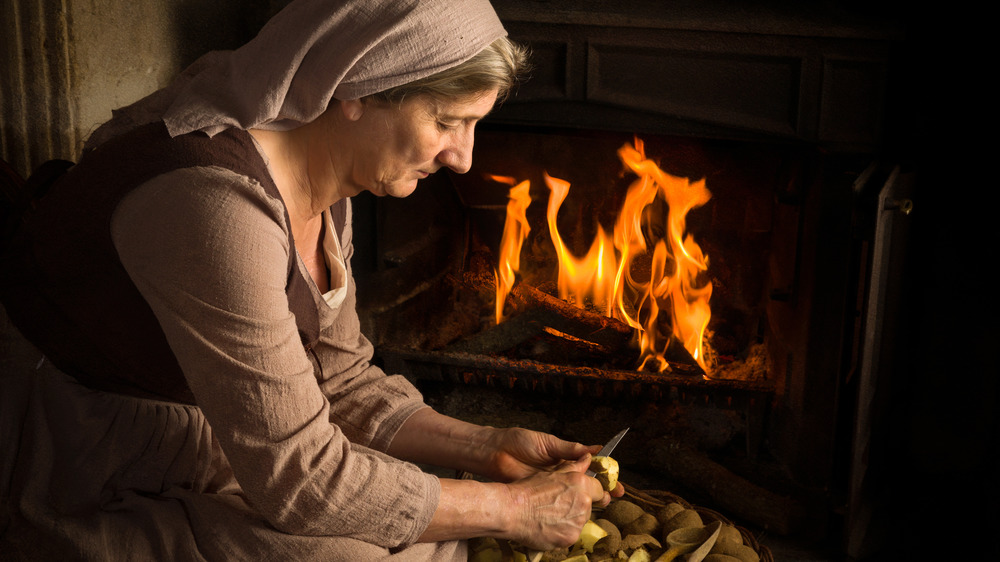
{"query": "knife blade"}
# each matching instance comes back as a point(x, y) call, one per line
point(609, 447)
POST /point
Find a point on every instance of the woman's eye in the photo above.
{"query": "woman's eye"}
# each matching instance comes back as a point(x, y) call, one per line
point(444, 125)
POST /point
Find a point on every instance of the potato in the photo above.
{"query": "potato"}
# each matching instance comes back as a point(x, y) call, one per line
point(491, 554)
point(729, 533)
point(483, 543)
point(720, 558)
point(737, 550)
point(666, 512)
point(640, 555)
point(555, 555)
point(589, 535)
point(645, 524)
point(610, 542)
point(622, 512)
point(684, 518)
point(605, 471)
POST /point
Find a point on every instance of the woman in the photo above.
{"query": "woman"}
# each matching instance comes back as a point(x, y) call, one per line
point(206, 392)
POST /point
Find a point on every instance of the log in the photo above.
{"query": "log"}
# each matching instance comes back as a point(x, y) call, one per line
point(556, 313)
point(732, 493)
point(575, 321)
point(503, 336)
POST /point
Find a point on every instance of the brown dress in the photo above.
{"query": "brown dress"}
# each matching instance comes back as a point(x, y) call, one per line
point(92, 475)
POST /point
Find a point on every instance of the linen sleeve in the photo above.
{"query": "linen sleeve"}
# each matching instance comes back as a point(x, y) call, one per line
point(208, 249)
point(367, 404)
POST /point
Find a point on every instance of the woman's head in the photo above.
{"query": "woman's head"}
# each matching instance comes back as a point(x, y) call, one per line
point(500, 66)
point(314, 51)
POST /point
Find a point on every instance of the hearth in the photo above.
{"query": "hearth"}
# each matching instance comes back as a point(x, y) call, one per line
point(781, 114)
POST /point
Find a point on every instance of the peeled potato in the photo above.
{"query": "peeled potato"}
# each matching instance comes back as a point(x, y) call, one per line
point(487, 555)
point(589, 535)
point(640, 555)
point(606, 471)
point(720, 558)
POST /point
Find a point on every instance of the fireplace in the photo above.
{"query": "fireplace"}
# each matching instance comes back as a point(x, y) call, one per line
point(783, 114)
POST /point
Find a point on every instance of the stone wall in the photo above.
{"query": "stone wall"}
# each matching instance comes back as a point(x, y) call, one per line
point(65, 64)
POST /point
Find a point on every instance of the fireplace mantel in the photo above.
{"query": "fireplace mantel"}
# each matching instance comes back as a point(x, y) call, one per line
point(756, 71)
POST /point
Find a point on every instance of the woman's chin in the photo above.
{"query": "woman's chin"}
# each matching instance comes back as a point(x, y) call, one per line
point(402, 188)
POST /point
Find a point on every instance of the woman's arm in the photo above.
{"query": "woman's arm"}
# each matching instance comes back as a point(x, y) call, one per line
point(542, 497)
point(500, 454)
point(544, 511)
point(207, 250)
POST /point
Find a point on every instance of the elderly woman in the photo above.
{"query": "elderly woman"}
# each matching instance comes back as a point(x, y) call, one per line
point(205, 391)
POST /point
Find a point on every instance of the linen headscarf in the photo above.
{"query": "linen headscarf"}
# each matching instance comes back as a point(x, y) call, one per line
point(313, 51)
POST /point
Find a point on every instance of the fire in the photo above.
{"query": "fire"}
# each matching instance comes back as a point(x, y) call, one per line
point(673, 291)
point(515, 230)
point(675, 283)
point(581, 278)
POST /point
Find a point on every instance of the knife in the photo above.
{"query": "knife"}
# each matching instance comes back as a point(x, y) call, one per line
point(610, 446)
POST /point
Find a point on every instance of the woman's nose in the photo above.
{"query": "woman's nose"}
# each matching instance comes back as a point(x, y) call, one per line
point(458, 154)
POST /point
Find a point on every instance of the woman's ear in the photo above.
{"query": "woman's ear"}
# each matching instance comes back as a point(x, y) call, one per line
point(352, 109)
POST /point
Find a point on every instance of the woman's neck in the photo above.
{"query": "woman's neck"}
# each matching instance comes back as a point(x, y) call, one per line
point(297, 182)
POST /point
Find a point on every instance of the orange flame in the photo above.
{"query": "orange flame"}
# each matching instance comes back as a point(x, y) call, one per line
point(677, 262)
point(580, 278)
point(515, 230)
point(606, 276)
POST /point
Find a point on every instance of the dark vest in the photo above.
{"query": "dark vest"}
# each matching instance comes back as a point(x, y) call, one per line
point(64, 287)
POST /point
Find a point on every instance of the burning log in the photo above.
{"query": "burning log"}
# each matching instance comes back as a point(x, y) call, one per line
point(533, 310)
point(578, 322)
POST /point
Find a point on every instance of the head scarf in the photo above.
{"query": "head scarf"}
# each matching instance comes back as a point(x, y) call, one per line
point(315, 50)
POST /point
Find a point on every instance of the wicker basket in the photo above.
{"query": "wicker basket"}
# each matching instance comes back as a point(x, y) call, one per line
point(650, 500)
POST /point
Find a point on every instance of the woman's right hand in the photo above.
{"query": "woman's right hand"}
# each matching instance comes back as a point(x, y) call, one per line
point(550, 508)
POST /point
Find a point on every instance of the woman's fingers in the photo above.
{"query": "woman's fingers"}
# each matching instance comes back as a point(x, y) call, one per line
point(557, 504)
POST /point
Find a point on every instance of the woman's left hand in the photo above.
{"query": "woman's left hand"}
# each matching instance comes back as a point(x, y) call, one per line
point(519, 453)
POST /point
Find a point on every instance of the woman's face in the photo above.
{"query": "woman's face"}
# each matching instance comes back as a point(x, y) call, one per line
point(399, 145)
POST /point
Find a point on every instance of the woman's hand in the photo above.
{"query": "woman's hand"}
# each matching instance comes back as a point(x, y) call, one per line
point(543, 511)
point(550, 508)
point(519, 453)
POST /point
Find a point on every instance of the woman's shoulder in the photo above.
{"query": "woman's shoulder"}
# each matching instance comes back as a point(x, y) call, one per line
point(190, 208)
point(206, 193)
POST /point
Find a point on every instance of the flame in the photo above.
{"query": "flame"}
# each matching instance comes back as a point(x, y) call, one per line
point(606, 277)
point(586, 277)
point(515, 230)
point(677, 262)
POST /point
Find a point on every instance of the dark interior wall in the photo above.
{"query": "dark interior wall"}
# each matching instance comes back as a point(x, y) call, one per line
point(940, 431)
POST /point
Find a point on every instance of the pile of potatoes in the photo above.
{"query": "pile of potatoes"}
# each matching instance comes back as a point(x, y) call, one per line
point(623, 531)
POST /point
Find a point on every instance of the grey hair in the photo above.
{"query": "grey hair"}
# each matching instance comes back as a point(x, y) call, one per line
point(501, 65)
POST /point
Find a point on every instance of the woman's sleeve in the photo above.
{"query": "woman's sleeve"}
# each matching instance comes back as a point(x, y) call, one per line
point(367, 404)
point(209, 252)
